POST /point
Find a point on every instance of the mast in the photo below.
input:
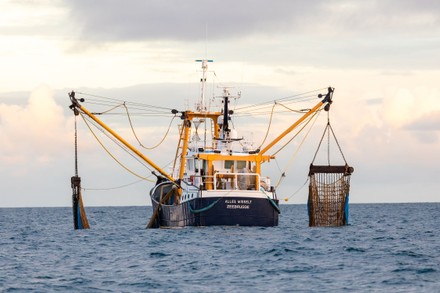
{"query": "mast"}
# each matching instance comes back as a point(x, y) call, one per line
point(226, 129)
point(201, 105)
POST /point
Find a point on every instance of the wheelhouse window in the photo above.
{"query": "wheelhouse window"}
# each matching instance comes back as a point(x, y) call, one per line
point(229, 164)
point(241, 165)
point(238, 165)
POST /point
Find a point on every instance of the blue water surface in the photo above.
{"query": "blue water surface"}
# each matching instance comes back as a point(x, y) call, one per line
point(386, 248)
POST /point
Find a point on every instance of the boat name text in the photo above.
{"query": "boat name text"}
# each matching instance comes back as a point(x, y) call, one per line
point(243, 204)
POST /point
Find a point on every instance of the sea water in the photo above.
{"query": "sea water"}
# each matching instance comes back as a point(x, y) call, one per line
point(386, 247)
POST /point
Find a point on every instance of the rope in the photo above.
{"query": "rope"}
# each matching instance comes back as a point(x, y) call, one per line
point(268, 127)
point(143, 110)
point(328, 140)
point(296, 97)
point(112, 188)
point(259, 113)
point(134, 133)
point(203, 209)
point(288, 198)
point(122, 146)
point(336, 140)
point(274, 204)
point(299, 146)
point(292, 110)
point(299, 131)
point(111, 155)
point(122, 101)
point(328, 126)
point(278, 166)
point(107, 111)
point(121, 186)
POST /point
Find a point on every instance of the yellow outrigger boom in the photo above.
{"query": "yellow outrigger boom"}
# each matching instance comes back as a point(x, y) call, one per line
point(76, 106)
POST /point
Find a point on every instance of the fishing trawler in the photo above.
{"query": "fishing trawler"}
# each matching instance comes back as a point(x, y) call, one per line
point(216, 179)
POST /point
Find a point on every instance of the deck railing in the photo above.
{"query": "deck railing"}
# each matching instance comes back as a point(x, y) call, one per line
point(230, 181)
point(236, 181)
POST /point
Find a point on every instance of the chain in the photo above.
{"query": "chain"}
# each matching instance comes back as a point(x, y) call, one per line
point(76, 149)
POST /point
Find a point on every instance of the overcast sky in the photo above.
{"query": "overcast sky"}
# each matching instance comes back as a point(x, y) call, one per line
point(381, 56)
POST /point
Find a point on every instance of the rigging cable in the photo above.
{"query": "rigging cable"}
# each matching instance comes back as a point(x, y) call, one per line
point(142, 111)
point(304, 125)
point(122, 101)
point(336, 140)
point(121, 186)
point(112, 188)
point(111, 155)
point(268, 127)
point(109, 110)
point(316, 115)
point(134, 133)
point(296, 97)
point(298, 190)
point(122, 146)
point(118, 143)
point(293, 110)
point(76, 147)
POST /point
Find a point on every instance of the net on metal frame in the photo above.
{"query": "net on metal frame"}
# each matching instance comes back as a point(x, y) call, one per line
point(328, 195)
point(329, 190)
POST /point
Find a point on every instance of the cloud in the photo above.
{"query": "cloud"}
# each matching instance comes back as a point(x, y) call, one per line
point(428, 122)
point(387, 35)
point(180, 20)
point(426, 128)
point(137, 20)
point(187, 20)
point(32, 18)
point(398, 107)
point(36, 151)
point(415, 111)
point(35, 133)
point(383, 16)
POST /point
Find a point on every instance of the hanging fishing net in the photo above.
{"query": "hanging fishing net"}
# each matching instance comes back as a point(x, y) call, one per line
point(79, 214)
point(329, 190)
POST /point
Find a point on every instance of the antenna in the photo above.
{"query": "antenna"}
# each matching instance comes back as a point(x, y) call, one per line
point(201, 106)
point(206, 40)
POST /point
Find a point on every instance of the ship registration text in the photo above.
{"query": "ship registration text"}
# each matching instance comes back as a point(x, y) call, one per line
point(238, 204)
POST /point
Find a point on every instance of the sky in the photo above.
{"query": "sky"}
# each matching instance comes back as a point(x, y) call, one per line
point(380, 56)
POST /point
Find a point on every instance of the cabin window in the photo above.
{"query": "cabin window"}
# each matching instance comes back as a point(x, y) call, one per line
point(241, 165)
point(229, 164)
point(238, 165)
